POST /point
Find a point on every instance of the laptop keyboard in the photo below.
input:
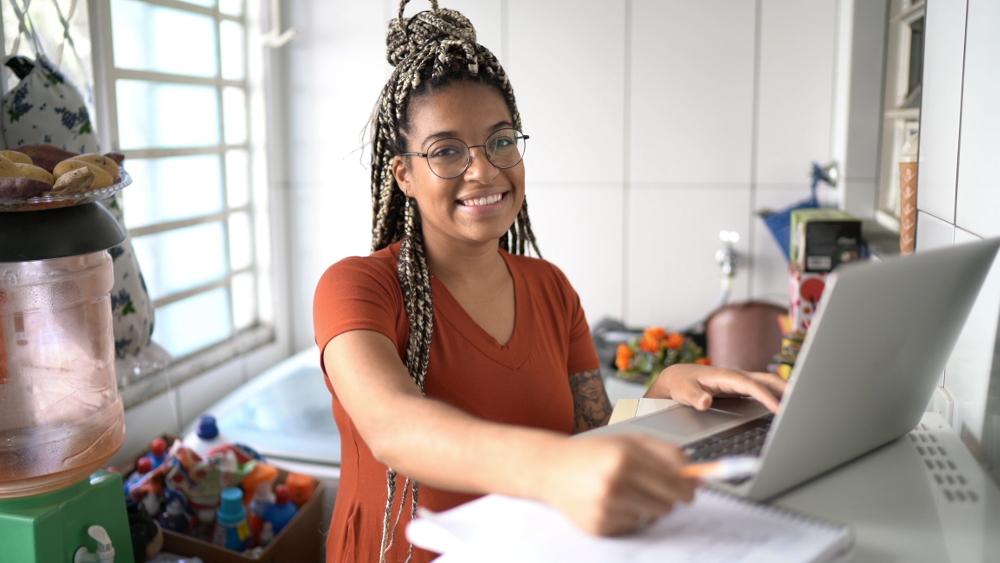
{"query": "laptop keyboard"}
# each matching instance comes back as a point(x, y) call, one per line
point(747, 439)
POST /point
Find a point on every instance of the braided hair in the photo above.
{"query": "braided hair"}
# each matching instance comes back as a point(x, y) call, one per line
point(429, 51)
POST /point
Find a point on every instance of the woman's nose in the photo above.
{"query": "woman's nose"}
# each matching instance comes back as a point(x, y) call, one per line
point(480, 168)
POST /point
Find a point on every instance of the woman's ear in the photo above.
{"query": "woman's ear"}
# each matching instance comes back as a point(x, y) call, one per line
point(401, 171)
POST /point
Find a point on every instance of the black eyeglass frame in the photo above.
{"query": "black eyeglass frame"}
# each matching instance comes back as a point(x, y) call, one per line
point(468, 160)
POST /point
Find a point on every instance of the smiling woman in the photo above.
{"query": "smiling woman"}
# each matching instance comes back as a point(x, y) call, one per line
point(454, 359)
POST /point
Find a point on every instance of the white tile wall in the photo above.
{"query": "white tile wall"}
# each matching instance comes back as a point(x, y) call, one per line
point(770, 272)
point(944, 49)
point(567, 68)
point(692, 91)
point(579, 229)
point(196, 395)
point(933, 232)
point(332, 222)
point(967, 376)
point(673, 235)
point(978, 202)
point(796, 88)
point(146, 421)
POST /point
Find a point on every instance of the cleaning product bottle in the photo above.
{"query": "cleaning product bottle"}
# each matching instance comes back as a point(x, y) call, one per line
point(231, 529)
point(281, 511)
point(142, 467)
point(266, 534)
point(174, 518)
point(262, 498)
point(300, 488)
point(158, 452)
point(261, 473)
point(206, 437)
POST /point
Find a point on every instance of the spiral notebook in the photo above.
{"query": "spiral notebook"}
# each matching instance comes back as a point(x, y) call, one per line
point(716, 527)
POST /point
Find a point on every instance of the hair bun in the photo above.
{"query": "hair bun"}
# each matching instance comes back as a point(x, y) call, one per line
point(408, 35)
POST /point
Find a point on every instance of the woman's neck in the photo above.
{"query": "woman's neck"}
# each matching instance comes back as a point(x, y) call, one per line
point(458, 264)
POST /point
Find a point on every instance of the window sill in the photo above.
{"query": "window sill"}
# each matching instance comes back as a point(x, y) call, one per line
point(187, 368)
point(882, 241)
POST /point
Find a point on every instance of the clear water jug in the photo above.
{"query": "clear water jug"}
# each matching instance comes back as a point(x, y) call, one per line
point(61, 417)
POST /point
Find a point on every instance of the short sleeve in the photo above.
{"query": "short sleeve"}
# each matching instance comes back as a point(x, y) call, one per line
point(582, 354)
point(356, 294)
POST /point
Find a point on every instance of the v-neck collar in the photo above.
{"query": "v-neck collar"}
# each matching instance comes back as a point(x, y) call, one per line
point(511, 355)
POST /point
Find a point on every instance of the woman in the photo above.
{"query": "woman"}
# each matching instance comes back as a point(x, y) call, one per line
point(455, 360)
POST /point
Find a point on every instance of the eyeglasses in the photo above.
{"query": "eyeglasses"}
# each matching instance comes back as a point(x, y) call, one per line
point(450, 158)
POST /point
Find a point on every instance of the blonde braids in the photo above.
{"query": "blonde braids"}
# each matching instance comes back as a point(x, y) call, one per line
point(429, 50)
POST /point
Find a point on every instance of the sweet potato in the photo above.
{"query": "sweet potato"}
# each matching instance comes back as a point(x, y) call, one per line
point(8, 169)
point(101, 178)
point(75, 181)
point(102, 162)
point(36, 172)
point(22, 187)
point(17, 157)
point(45, 156)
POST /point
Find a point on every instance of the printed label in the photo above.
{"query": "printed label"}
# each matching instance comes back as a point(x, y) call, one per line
point(818, 262)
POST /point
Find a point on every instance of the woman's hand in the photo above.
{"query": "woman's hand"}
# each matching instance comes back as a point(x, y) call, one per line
point(612, 485)
point(695, 385)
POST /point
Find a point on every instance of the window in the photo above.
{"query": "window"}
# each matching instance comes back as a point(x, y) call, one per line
point(901, 105)
point(178, 94)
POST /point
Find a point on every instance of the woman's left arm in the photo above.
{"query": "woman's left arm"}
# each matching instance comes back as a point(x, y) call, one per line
point(590, 400)
point(696, 385)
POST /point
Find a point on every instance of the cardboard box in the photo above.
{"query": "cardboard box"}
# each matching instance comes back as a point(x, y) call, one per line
point(301, 541)
point(824, 238)
point(805, 290)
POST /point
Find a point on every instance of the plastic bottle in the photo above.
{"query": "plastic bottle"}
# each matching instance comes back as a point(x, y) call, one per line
point(158, 452)
point(300, 488)
point(231, 529)
point(174, 518)
point(281, 511)
point(266, 534)
point(142, 467)
point(206, 437)
point(261, 473)
point(152, 504)
point(262, 498)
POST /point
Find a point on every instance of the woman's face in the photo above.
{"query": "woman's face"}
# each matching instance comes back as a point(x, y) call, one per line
point(461, 209)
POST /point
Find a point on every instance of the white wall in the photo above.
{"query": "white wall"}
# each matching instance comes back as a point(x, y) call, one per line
point(958, 191)
point(654, 124)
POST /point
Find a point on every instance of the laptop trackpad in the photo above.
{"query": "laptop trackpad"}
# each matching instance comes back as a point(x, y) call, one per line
point(687, 421)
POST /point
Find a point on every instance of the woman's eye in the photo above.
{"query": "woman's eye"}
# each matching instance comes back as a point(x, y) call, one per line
point(445, 152)
point(502, 143)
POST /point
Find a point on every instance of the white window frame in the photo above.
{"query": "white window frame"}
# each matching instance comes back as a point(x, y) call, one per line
point(266, 330)
point(898, 121)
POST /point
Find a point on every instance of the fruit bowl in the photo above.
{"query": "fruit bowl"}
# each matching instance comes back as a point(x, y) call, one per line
point(52, 201)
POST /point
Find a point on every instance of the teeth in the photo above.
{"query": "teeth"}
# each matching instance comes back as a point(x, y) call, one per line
point(483, 200)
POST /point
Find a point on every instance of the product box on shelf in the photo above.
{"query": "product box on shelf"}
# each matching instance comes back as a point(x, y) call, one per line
point(300, 541)
point(823, 238)
point(805, 290)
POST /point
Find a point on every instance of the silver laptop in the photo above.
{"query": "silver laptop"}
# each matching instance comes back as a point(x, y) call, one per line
point(878, 344)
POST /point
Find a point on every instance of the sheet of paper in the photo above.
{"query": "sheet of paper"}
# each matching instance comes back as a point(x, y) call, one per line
point(713, 529)
point(647, 406)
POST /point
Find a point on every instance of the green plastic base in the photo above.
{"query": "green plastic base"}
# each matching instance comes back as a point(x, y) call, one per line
point(50, 527)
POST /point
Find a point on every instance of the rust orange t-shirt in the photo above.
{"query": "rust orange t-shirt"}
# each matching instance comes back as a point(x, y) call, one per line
point(525, 382)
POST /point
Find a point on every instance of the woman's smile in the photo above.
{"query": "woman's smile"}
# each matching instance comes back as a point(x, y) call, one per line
point(484, 203)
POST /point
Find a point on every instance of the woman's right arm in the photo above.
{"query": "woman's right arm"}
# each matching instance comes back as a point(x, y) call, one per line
point(604, 484)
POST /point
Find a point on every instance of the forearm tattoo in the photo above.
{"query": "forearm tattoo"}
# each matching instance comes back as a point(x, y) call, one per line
point(590, 400)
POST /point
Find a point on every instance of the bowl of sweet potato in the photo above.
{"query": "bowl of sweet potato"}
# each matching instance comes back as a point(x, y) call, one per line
point(45, 176)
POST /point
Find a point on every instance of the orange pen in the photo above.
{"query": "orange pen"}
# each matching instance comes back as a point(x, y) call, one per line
point(721, 469)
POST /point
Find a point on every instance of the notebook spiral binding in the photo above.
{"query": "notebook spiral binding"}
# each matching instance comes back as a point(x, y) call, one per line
point(784, 513)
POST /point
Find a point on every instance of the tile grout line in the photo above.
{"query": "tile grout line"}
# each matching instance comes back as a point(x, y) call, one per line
point(626, 156)
point(961, 108)
point(754, 149)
